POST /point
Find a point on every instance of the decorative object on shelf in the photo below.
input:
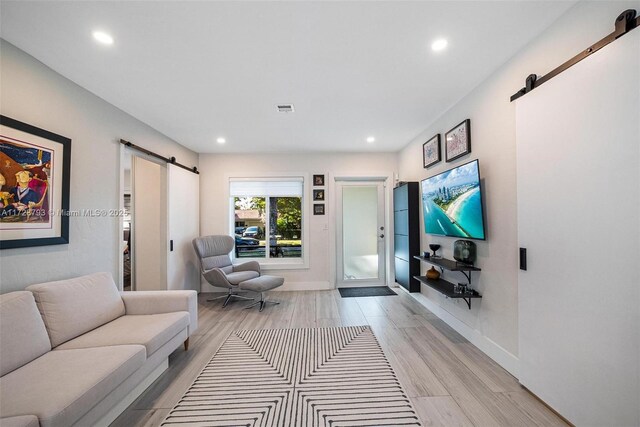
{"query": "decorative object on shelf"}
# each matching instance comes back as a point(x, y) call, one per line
point(431, 152)
point(35, 170)
point(464, 251)
point(457, 141)
point(318, 208)
point(318, 195)
point(318, 180)
point(426, 254)
point(433, 274)
point(434, 247)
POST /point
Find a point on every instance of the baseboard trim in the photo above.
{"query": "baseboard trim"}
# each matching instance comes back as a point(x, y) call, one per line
point(306, 286)
point(498, 354)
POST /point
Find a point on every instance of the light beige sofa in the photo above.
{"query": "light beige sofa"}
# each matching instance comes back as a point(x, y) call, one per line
point(77, 352)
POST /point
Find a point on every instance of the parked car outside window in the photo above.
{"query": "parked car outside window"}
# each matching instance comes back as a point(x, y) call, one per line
point(253, 231)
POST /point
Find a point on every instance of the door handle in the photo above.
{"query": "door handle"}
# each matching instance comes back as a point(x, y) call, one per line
point(381, 236)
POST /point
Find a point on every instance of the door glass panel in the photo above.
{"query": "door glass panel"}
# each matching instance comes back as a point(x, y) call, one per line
point(359, 229)
point(250, 227)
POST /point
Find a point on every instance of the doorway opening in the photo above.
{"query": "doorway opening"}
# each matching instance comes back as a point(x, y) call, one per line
point(143, 213)
point(360, 239)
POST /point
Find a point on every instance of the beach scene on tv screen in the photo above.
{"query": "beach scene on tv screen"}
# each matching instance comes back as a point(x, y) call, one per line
point(452, 203)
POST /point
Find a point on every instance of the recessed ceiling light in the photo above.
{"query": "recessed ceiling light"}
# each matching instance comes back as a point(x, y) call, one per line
point(439, 45)
point(103, 37)
point(370, 139)
point(221, 140)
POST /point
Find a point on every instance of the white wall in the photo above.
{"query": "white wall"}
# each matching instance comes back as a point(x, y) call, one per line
point(35, 94)
point(214, 203)
point(492, 323)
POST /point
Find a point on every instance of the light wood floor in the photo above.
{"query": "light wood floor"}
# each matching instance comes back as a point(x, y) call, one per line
point(450, 382)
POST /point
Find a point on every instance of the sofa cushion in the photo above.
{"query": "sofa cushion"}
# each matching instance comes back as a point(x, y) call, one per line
point(72, 307)
point(63, 385)
point(22, 332)
point(149, 330)
point(20, 421)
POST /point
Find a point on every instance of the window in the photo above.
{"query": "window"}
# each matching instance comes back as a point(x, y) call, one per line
point(268, 218)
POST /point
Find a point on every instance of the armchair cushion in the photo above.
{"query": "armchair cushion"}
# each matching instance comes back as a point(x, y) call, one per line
point(213, 251)
point(240, 276)
point(247, 266)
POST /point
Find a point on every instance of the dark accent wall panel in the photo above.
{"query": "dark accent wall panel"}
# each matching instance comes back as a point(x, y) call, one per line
point(406, 211)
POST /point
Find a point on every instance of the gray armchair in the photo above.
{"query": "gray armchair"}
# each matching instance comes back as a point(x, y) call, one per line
point(217, 268)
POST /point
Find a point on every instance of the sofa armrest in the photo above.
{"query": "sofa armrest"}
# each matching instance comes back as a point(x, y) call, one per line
point(20, 421)
point(157, 302)
point(247, 266)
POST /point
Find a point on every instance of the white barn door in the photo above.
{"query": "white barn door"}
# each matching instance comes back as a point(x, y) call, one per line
point(183, 271)
point(578, 159)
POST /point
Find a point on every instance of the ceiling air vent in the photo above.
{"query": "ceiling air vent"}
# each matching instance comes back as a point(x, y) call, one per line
point(285, 108)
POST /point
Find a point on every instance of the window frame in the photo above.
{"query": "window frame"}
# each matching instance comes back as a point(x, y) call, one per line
point(268, 263)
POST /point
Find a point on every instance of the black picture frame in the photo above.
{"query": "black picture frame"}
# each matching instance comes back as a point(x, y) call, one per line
point(459, 134)
point(429, 145)
point(318, 208)
point(63, 209)
point(318, 180)
point(318, 195)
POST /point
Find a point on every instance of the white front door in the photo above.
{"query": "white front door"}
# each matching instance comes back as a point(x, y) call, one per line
point(183, 271)
point(360, 233)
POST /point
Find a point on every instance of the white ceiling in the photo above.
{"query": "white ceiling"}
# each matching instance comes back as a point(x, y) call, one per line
point(199, 70)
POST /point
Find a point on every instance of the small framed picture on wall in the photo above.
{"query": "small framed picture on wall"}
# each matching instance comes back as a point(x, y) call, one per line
point(318, 208)
point(318, 195)
point(318, 180)
point(431, 152)
point(457, 141)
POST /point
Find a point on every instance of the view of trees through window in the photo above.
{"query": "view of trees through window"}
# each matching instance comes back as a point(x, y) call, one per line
point(268, 225)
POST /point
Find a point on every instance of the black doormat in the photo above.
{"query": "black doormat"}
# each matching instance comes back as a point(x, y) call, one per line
point(372, 291)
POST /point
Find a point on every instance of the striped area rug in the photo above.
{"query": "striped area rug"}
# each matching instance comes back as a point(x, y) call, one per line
point(320, 377)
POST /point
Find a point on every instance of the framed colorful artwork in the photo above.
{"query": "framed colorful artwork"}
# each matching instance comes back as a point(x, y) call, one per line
point(35, 168)
point(431, 152)
point(457, 141)
point(318, 195)
point(318, 180)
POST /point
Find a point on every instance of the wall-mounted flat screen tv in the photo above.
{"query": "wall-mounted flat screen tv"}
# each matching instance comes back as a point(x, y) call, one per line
point(452, 203)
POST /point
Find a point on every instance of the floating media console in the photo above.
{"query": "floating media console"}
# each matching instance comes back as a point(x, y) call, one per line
point(445, 287)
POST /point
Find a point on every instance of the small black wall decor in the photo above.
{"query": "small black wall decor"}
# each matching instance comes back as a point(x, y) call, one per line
point(318, 195)
point(35, 171)
point(318, 208)
point(457, 141)
point(318, 180)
